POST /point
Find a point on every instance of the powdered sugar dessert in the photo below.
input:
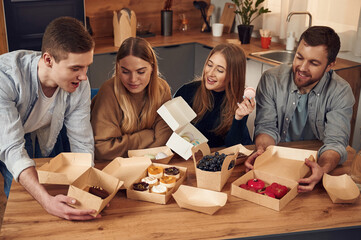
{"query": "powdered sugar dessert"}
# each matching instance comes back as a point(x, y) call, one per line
point(160, 189)
point(151, 181)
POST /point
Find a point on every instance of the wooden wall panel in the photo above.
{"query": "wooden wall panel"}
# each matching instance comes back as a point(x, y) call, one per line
point(3, 42)
point(147, 11)
point(353, 77)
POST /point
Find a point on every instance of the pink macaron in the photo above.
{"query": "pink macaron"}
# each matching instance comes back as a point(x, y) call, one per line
point(249, 92)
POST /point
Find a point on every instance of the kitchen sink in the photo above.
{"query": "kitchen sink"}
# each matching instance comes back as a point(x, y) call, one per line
point(277, 56)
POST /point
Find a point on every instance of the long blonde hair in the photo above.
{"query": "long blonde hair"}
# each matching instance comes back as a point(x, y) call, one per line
point(156, 88)
point(235, 83)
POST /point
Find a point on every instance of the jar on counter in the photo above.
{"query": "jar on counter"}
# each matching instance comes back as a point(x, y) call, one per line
point(291, 40)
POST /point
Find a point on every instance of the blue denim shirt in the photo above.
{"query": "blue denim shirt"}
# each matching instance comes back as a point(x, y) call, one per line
point(330, 105)
point(18, 95)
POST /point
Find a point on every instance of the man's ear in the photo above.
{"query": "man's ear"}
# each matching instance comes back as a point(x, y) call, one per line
point(331, 65)
point(48, 59)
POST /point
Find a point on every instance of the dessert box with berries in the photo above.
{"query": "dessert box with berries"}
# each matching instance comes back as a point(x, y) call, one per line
point(64, 168)
point(279, 165)
point(105, 185)
point(154, 153)
point(178, 115)
point(213, 169)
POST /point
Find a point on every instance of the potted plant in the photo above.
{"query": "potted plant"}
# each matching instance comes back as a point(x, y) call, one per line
point(247, 11)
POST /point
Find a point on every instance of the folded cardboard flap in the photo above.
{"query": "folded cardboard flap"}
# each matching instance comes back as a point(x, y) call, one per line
point(153, 151)
point(127, 169)
point(201, 200)
point(341, 189)
point(64, 168)
point(285, 162)
point(176, 113)
point(93, 177)
point(213, 180)
point(243, 153)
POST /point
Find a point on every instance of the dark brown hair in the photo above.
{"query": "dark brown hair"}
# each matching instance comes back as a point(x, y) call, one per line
point(66, 35)
point(322, 35)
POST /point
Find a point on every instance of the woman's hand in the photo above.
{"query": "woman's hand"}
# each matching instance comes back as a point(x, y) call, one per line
point(245, 108)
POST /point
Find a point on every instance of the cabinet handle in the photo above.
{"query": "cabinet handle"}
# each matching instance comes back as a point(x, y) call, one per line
point(171, 46)
point(207, 47)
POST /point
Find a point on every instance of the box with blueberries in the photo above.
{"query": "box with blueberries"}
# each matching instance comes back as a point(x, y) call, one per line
point(213, 169)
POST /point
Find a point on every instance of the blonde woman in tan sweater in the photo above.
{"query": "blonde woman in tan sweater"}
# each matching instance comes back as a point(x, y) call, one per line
point(124, 112)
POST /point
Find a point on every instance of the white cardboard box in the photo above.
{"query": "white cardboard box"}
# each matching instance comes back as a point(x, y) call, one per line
point(178, 115)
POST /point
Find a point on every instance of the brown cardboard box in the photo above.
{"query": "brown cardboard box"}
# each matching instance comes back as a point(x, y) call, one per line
point(127, 169)
point(200, 200)
point(64, 168)
point(93, 177)
point(341, 189)
point(154, 152)
point(178, 115)
point(277, 164)
point(75, 169)
point(213, 180)
point(154, 197)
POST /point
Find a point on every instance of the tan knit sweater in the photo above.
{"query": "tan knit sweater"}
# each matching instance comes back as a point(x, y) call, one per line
point(106, 117)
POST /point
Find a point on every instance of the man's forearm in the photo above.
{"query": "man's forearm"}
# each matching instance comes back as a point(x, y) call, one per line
point(29, 180)
point(329, 160)
point(263, 140)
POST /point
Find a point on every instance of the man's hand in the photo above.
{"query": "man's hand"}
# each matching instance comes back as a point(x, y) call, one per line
point(58, 205)
point(308, 184)
point(250, 160)
point(262, 141)
point(326, 163)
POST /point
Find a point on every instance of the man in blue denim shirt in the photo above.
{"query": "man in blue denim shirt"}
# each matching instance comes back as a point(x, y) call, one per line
point(306, 101)
point(39, 93)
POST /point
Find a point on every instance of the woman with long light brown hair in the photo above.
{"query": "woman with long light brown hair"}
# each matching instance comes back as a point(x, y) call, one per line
point(124, 112)
point(217, 97)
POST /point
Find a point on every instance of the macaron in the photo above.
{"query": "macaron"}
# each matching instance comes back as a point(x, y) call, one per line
point(249, 92)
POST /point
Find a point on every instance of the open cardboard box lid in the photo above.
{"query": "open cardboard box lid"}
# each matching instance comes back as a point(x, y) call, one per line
point(277, 164)
point(153, 151)
point(341, 189)
point(178, 115)
point(200, 200)
point(284, 162)
point(213, 180)
point(127, 169)
point(93, 177)
point(155, 197)
point(64, 168)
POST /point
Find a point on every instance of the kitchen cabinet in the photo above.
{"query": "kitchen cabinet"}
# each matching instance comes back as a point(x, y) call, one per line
point(102, 69)
point(201, 54)
point(178, 64)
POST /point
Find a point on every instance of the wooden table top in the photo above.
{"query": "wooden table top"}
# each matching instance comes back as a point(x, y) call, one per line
point(130, 219)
